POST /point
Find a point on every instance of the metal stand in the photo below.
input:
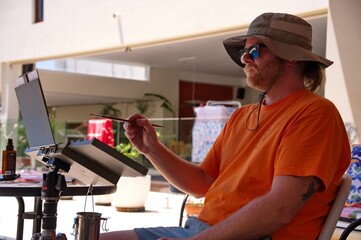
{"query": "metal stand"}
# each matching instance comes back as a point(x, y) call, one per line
point(53, 184)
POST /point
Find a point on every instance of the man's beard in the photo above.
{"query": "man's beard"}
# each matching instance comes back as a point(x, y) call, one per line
point(263, 78)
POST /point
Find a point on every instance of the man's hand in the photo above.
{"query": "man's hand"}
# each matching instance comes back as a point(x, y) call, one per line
point(140, 133)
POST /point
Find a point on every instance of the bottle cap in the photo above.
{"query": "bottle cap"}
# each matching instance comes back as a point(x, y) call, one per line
point(9, 145)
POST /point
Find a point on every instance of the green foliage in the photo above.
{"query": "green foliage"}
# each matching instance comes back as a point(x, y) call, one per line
point(22, 143)
point(131, 152)
point(128, 150)
point(167, 105)
point(144, 106)
point(110, 110)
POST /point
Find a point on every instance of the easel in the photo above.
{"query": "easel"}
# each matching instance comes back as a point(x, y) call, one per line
point(91, 162)
point(53, 184)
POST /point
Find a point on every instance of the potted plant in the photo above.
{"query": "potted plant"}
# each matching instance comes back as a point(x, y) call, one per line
point(166, 104)
point(131, 152)
point(132, 192)
point(194, 206)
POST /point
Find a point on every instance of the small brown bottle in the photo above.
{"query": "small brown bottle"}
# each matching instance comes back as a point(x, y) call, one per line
point(9, 159)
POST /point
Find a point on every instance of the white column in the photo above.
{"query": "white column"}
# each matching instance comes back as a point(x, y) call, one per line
point(343, 77)
point(9, 104)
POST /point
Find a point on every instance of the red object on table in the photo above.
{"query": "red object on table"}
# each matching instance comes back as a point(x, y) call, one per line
point(101, 129)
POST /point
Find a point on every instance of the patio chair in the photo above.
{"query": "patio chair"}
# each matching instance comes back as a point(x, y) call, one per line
point(353, 225)
point(336, 209)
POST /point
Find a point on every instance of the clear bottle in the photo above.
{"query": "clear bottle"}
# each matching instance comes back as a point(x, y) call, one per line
point(9, 159)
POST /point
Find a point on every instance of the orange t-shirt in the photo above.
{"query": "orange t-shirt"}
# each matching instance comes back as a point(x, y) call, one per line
point(301, 135)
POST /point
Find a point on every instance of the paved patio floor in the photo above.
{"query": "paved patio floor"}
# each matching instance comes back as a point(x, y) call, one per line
point(162, 209)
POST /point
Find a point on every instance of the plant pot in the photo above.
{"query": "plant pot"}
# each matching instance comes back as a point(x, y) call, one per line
point(103, 200)
point(194, 206)
point(132, 193)
point(193, 209)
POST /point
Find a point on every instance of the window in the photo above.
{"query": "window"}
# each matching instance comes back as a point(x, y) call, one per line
point(39, 11)
point(97, 68)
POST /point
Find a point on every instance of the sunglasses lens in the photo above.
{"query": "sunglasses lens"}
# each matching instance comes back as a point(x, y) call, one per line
point(253, 53)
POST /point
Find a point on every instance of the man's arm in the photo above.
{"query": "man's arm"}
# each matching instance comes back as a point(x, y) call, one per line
point(185, 175)
point(268, 213)
point(179, 172)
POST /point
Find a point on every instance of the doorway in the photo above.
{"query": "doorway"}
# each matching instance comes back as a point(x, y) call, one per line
point(193, 95)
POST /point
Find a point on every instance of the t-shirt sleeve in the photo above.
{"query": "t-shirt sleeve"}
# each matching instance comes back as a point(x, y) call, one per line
point(312, 146)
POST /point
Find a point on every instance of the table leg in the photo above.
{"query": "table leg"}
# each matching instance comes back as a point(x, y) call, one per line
point(38, 210)
point(36, 216)
point(20, 227)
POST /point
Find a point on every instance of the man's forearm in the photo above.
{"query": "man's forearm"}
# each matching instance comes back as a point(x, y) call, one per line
point(254, 221)
point(185, 175)
point(266, 214)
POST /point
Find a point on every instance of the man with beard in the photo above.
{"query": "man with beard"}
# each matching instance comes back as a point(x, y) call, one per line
point(275, 168)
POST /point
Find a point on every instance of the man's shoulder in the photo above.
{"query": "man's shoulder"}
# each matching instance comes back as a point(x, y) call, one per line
point(319, 102)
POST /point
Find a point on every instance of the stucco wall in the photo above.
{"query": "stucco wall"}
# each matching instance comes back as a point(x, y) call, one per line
point(77, 27)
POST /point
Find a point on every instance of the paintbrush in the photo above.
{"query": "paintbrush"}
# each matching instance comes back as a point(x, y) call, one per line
point(119, 119)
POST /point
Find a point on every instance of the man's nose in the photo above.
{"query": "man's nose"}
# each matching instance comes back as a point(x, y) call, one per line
point(246, 58)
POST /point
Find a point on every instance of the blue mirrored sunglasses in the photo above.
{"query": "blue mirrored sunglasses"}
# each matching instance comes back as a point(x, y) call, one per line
point(252, 51)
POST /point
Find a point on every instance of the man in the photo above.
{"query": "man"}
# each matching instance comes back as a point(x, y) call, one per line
point(275, 168)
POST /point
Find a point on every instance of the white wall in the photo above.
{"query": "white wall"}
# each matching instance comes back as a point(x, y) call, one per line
point(80, 27)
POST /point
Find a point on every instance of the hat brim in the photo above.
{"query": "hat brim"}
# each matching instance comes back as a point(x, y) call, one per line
point(283, 50)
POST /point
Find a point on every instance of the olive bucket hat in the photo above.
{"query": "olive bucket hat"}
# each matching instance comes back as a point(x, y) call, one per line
point(287, 36)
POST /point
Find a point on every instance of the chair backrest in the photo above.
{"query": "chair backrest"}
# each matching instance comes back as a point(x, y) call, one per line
point(336, 209)
point(182, 210)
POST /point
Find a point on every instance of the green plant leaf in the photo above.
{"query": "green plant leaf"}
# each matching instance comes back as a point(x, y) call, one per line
point(166, 103)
